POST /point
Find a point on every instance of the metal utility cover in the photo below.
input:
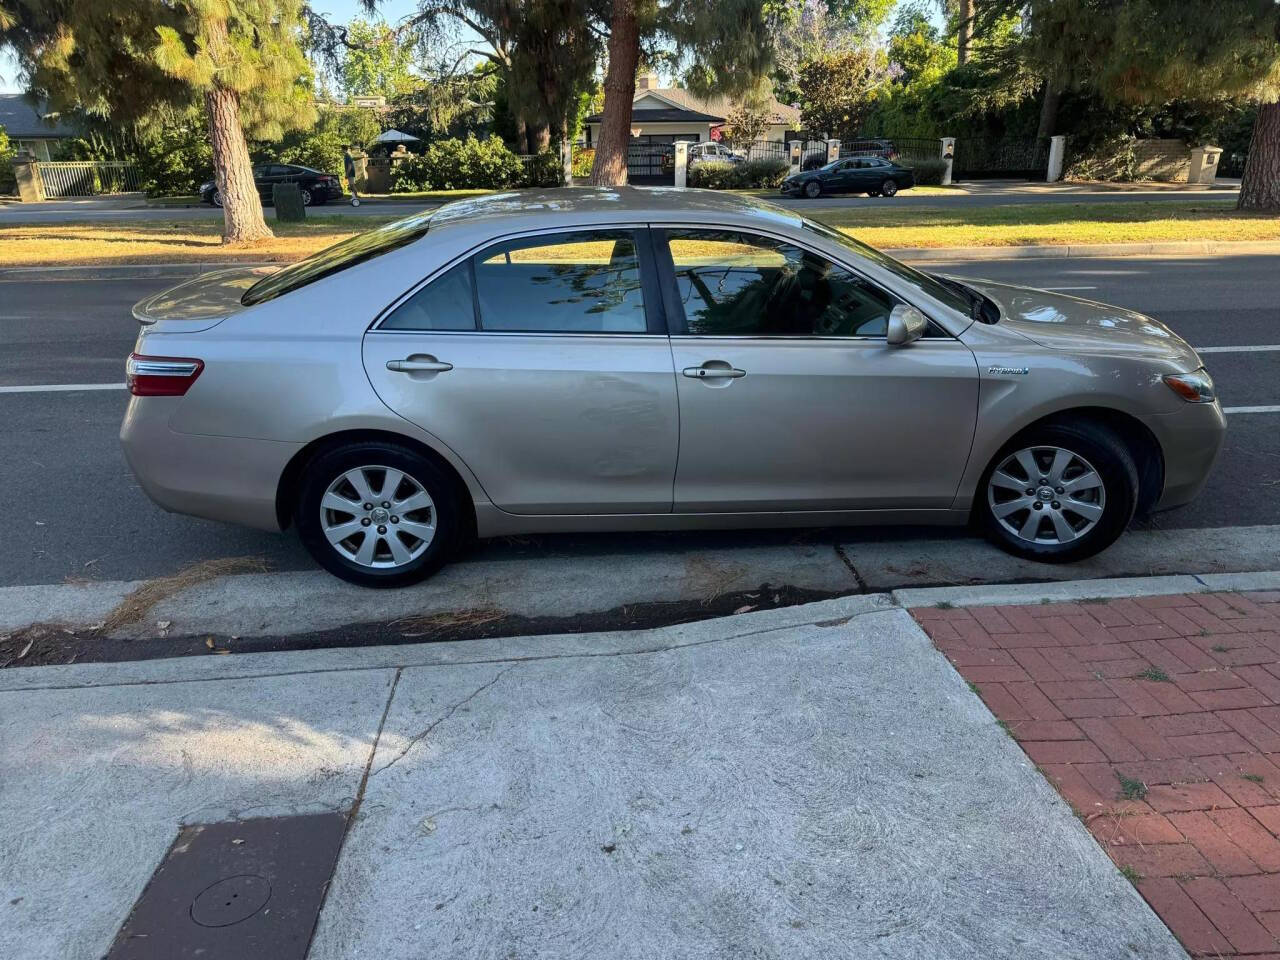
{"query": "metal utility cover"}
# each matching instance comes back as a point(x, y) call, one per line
point(242, 890)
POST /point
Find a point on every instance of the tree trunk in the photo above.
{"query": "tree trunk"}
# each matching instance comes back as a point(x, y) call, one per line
point(964, 30)
point(539, 137)
point(1049, 111)
point(241, 209)
point(1260, 187)
point(610, 166)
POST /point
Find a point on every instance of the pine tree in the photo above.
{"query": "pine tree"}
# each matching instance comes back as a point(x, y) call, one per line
point(129, 59)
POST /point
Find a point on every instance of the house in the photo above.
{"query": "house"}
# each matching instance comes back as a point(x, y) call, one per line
point(29, 127)
point(661, 115)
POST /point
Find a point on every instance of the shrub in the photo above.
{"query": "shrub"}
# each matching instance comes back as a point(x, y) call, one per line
point(543, 170)
point(929, 173)
point(583, 159)
point(459, 164)
point(7, 181)
point(752, 175)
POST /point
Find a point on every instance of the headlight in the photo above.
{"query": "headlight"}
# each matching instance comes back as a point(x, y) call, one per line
point(1193, 387)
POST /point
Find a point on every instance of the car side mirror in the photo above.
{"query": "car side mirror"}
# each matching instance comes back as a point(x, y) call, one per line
point(906, 325)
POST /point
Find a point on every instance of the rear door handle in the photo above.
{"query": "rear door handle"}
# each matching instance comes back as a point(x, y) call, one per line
point(419, 366)
point(720, 371)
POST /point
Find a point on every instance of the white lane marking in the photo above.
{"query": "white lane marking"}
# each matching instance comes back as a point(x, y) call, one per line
point(61, 387)
point(1055, 289)
point(1237, 410)
point(1262, 348)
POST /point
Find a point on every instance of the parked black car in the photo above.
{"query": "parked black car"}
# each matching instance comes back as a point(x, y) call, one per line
point(316, 187)
point(873, 176)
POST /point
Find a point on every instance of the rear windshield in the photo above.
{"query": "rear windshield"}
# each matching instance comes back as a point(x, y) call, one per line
point(357, 249)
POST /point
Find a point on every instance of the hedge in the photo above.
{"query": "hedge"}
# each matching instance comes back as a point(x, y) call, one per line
point(751, 175)
point(928, 173)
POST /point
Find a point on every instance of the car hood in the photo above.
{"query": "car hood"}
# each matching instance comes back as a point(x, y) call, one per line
point(200, 302)
point(1072, 324)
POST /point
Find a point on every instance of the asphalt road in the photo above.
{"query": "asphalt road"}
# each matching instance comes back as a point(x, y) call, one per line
point(82, 515)
point(980, 193)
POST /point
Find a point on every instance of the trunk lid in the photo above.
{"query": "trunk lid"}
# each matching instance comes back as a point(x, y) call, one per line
point(201, 302)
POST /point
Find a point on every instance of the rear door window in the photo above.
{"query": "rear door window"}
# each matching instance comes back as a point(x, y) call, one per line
point(446, 303)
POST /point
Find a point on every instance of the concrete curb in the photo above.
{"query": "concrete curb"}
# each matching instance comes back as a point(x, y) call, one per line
point(1180, 248)
point(1072, 590)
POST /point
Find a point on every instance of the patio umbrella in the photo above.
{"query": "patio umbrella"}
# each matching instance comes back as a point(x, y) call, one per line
point(394, 136)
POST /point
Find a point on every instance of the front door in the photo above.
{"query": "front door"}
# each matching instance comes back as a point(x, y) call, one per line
point(790, 396)
point(543, 364)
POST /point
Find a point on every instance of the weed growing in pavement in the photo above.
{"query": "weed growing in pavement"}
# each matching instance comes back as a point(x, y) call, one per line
point(1094, 600)
point(1219, 648)
point(1005, 727)
point(1132, 789)
point(1153, 673)
point(1130, 874)
point(973, 687)
point(944, 605)
point(1251, 777)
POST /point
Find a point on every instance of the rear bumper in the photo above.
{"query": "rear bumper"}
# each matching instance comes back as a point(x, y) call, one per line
point(1191, 440)
point(231, 479)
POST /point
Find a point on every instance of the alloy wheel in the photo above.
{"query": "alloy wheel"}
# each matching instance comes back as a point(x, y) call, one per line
point(889, 188)
point(1046, 495)
point(378, 517)
point(217, 198)
point(306, 198)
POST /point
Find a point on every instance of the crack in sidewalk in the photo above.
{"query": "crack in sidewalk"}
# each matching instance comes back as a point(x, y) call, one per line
point(419, 737)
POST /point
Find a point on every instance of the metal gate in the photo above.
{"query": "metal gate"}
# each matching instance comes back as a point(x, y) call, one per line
point(977, 158)
point(89, 178)
point(650, 161)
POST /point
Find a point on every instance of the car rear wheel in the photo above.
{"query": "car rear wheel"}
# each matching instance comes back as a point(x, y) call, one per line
point(1058, 493)
point(813, 189)
point(377, 514)
point(306, 197)
point(216, 198)
point(889, 188)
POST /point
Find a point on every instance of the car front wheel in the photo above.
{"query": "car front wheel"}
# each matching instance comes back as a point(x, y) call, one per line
point(1059, 492)
point(216, 198)
point(813, 189)
point(889, 188)
point(306, 197)
point(377, 514)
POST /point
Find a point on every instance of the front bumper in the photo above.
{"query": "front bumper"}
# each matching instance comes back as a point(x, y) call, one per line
point(1190, 440)
point(231, 479)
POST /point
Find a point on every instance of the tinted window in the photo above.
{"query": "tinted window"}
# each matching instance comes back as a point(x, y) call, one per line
point(582, 282)
point(443, 304)
point(738, 284)
point(357, 249)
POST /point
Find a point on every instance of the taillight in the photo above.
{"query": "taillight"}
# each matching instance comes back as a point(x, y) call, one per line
point(161, 376)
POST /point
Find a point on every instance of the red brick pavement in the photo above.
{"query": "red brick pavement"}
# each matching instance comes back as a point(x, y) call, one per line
point(1158, 720)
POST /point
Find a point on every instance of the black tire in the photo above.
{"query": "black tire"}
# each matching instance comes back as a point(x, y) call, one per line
point(1099, 447)
point(321, 472)
point(306, 197)
point(889, 188)
point(813, 189)
point(215, 198)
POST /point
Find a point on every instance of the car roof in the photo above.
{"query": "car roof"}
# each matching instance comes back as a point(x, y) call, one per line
point(587, 205)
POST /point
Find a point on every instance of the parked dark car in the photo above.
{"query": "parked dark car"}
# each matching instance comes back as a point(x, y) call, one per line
point(873, 176)
point(316, 187)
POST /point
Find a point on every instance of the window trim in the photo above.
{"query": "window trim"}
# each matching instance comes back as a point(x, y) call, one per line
point(650, 284)
point(679, 323)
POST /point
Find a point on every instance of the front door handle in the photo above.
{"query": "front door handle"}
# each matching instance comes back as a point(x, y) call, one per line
point(419, 365)
point(714, 370)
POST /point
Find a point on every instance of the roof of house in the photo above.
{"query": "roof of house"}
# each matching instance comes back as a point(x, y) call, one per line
point(685, 107)
point(21, 118)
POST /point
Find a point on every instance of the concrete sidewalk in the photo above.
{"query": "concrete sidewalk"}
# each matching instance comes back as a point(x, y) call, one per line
point(811, 781)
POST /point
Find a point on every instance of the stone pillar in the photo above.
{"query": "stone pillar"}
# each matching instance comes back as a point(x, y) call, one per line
point(27, 172)
point(1057, 156)
point(566, 163)
point(948, 157)
point(1204, 164)
point(833, 150)
point(795, 150)
point(682, 163)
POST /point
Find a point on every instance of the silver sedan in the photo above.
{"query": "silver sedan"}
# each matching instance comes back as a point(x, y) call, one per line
point(646, 359)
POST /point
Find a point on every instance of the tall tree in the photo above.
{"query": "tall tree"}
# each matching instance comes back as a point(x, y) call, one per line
point(725, 46)
point(839, 91)
point(376, 61)
point(241, 59)
point(1155, 50)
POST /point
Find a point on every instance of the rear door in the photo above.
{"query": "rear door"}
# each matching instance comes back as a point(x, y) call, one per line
point(543, 362)
point(791, 398)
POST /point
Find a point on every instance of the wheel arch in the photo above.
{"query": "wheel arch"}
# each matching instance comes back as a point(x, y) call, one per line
point(1142, 444)
point(287, 488)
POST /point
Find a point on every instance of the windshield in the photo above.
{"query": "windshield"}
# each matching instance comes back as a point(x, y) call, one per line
point(353, 250)
point(944, 293)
